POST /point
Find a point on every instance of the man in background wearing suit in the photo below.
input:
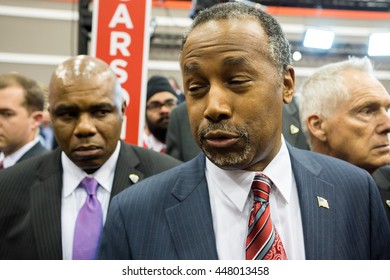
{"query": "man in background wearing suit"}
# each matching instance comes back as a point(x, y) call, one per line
point(42, 199)
point(247, 178)
point(345, 114)
point(21, 109)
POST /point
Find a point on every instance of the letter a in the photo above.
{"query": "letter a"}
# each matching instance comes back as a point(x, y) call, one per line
point(121, 16)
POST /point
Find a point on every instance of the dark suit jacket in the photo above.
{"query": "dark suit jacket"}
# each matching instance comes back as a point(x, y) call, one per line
point(30, 199)
point(179, 140)
point(181, 144)
point(168, 216)
point(291, 126)
point(382, 179)
point(35, 150)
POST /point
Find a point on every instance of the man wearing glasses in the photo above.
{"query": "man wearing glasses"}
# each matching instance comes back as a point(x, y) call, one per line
point(161, 99)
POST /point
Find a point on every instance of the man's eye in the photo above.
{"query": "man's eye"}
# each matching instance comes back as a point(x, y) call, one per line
point(101, 113)
point(66, 115)
point(7, 114)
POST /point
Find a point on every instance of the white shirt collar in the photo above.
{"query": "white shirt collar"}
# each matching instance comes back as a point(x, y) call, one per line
point(235, 184)
point(14, 157)
point(73, 175)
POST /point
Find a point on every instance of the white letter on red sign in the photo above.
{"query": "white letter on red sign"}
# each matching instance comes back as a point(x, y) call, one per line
point(116, 65)
point(119, 41)
point(121, 15)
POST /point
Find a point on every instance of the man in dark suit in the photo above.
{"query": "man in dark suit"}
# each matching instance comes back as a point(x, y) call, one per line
point(248, 178)
point(355, 124)
point(21, 109)
point(41, 198)
point(181, 144)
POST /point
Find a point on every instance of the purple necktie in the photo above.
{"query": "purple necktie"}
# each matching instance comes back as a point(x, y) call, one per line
point(1, 165)
point(89, 224)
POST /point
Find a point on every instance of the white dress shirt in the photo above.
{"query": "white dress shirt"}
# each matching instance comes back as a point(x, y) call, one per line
point(73, 197)
point(231, 202)
point(11, 159)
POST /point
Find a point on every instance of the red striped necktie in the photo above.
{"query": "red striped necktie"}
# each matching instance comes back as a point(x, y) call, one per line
point(263, 241)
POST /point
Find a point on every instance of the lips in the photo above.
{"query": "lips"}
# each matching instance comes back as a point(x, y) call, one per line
point(86, 151)
point(221, 139)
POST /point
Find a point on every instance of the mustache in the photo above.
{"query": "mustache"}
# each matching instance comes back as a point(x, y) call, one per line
point(226, 127)
point(162, 118)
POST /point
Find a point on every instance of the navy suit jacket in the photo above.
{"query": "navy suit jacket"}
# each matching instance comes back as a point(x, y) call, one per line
point(168, 216)
point(30, 199)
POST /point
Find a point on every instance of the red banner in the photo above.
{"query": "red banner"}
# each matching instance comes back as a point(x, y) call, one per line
point(120, 37)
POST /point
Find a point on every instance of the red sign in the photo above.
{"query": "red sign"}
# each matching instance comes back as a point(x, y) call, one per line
point(120, 37)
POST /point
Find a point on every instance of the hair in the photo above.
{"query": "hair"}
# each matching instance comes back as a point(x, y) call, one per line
point(279, 47)
point(326, 88)
point(34, 92)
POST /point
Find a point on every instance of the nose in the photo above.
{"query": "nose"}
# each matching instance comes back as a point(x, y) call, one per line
point(219, 104)
point(85, 126)
point(165, 109)
point(383, 126)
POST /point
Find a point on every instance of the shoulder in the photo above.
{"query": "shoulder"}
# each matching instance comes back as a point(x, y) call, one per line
point(149, 159)
point(183, 176)
point(326, 167)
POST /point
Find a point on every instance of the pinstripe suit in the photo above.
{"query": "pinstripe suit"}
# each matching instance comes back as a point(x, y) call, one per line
point(30, 199)
point(168, 216)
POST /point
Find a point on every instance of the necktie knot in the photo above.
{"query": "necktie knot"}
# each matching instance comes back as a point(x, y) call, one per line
point(90, 185)
point(261, 187)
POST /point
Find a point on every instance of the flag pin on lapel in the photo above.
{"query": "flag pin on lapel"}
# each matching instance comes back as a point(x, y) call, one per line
point(388, 202)
point(294, 129)
point(322, 202)
point(134, 178)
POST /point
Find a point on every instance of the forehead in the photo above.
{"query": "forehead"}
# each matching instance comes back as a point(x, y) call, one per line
point(161, 96)
point(223, 35)
point(13, 94)
point(82, 91)
point(363, 84)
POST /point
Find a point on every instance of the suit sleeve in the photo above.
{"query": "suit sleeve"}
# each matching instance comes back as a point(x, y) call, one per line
point(114, 243)
point(380, 230)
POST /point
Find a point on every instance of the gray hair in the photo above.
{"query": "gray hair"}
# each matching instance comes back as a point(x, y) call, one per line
point(324, 90)
point(279, 48)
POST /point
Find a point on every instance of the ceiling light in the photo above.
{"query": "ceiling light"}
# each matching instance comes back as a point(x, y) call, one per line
point(378, 44)
point(318, 39)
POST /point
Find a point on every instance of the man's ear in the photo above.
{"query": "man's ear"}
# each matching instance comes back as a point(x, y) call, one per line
point(37, 117)
point(123, 107)
point(316, 126)
point(288, 84)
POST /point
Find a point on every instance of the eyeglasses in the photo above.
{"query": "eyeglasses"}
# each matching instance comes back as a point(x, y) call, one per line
point(156, 106)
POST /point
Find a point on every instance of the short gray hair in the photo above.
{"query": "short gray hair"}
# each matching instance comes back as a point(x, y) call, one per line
point(322, 92)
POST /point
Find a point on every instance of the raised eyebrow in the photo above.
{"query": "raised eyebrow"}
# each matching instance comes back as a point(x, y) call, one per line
point(190, 68)
point(235, 61)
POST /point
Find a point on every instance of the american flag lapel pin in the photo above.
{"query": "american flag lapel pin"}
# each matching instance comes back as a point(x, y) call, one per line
point(322, 202)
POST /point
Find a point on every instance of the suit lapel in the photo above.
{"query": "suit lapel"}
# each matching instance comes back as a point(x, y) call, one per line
point(46, 208)
point(190, 220)
point(318, 221)
point(126, 165)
